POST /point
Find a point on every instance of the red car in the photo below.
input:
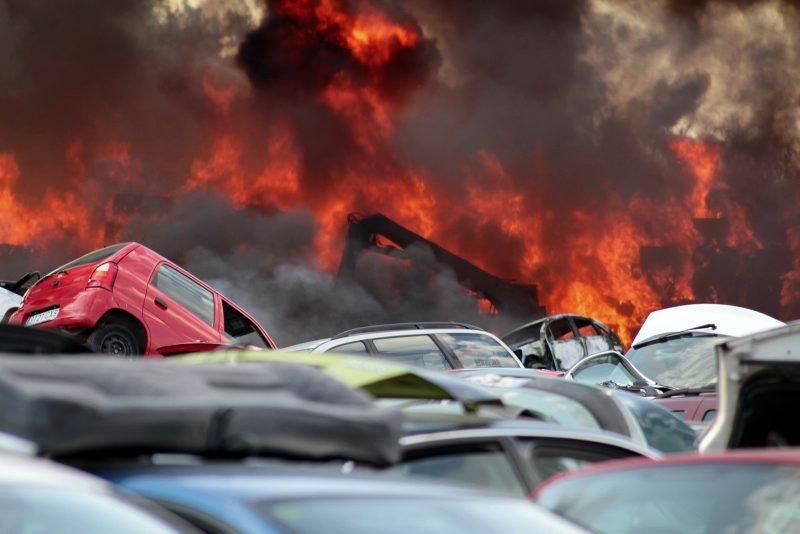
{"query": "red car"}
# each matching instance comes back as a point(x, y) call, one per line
point(743, 491)
point(128, 300)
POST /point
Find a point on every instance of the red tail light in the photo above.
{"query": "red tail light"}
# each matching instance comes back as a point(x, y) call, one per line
point(104, 276)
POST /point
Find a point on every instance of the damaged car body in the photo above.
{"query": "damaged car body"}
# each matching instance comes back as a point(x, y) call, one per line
point(759, 392)
point(558, 342)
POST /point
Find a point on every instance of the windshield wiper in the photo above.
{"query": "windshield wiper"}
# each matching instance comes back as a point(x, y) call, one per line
point(672, 335)
point(642, 388)
point(688, 391)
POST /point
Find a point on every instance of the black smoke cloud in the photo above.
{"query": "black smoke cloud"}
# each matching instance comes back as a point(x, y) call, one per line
point(577, 100)
point(263, 260)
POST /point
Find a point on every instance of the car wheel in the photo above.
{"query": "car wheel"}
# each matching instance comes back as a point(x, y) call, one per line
point(7, 316)
point(114, 339)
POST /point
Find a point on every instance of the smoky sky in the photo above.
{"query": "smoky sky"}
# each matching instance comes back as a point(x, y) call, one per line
point(576, 102)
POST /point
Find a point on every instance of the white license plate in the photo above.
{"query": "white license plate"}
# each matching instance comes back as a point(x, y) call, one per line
point(39, 318)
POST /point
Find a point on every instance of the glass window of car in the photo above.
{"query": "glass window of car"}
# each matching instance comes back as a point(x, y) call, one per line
point(709, 415)
point(662, 430)
point(605, 368)
point(524, 335)
point(682, 362)
point(240, 328)
point(693, 498)
point(486, 467)
point(551, 406)
point(35, 510)
point(186, 292)
point(478, 350)
point(549, 457)
point(357, 349)
point(413, 350)
point(92, 257)
point(400, 515)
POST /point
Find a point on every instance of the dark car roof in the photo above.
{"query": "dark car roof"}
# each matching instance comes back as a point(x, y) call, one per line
point(597, 400)
point(116, 405)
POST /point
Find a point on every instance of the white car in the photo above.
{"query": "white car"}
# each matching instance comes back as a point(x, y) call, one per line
point(11, 292)
point(9, 302)
point(441, 346)
point(673, 350)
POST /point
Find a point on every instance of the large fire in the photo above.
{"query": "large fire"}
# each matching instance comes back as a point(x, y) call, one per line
point(357, 65)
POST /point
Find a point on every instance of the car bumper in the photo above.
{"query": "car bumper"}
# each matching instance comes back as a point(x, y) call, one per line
point(78, 313)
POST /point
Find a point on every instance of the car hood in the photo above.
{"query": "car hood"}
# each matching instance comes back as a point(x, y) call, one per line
point(729, 320)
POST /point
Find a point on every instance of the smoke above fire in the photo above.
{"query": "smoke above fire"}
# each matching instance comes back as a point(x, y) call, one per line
point(622, 155)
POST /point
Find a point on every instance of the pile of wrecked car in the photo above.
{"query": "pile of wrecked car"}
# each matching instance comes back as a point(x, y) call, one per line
point(407, 427)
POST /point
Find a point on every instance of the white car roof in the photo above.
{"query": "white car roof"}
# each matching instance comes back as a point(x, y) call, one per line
point(402, 333)
point(729, 320)
point(307, 346)
point(22, 470)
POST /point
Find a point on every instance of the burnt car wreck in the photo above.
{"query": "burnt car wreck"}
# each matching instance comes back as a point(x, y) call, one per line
point(558, 342)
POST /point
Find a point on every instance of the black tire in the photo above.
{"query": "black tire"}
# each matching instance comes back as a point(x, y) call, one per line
point(115, 339)
point(8, 315)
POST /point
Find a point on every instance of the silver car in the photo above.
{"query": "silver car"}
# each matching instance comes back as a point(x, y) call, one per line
point(441, 346)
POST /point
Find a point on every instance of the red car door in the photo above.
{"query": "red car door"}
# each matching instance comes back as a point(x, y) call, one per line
point(178, 310)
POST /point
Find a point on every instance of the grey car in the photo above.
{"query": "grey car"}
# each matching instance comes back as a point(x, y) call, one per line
point(510, 457)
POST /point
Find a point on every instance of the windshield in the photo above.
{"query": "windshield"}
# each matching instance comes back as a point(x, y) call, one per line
point(728, 497)
point(550, 406)
point(478, 350)
point(662, 430)
point(401, 515)
point(682, 362)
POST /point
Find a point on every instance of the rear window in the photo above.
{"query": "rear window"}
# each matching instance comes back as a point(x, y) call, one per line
point(420, 351)
point(185, 292)
point(478, 350)
point(92, 257)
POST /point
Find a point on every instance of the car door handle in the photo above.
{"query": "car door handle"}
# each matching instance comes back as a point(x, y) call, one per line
point(160, 303)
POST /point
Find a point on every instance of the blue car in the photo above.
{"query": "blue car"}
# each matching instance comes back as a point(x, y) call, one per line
point(271, 497)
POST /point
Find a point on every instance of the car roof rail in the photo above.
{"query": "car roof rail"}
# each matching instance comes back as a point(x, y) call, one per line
point(404, 326)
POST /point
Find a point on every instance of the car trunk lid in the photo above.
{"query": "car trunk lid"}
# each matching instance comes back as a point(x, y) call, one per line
point(67, 281)
point(759, 391)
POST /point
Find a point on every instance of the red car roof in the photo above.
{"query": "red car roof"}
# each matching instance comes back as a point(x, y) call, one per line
point(786, 456)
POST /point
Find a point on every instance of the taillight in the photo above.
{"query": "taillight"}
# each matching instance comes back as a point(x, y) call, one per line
point(104, 276)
